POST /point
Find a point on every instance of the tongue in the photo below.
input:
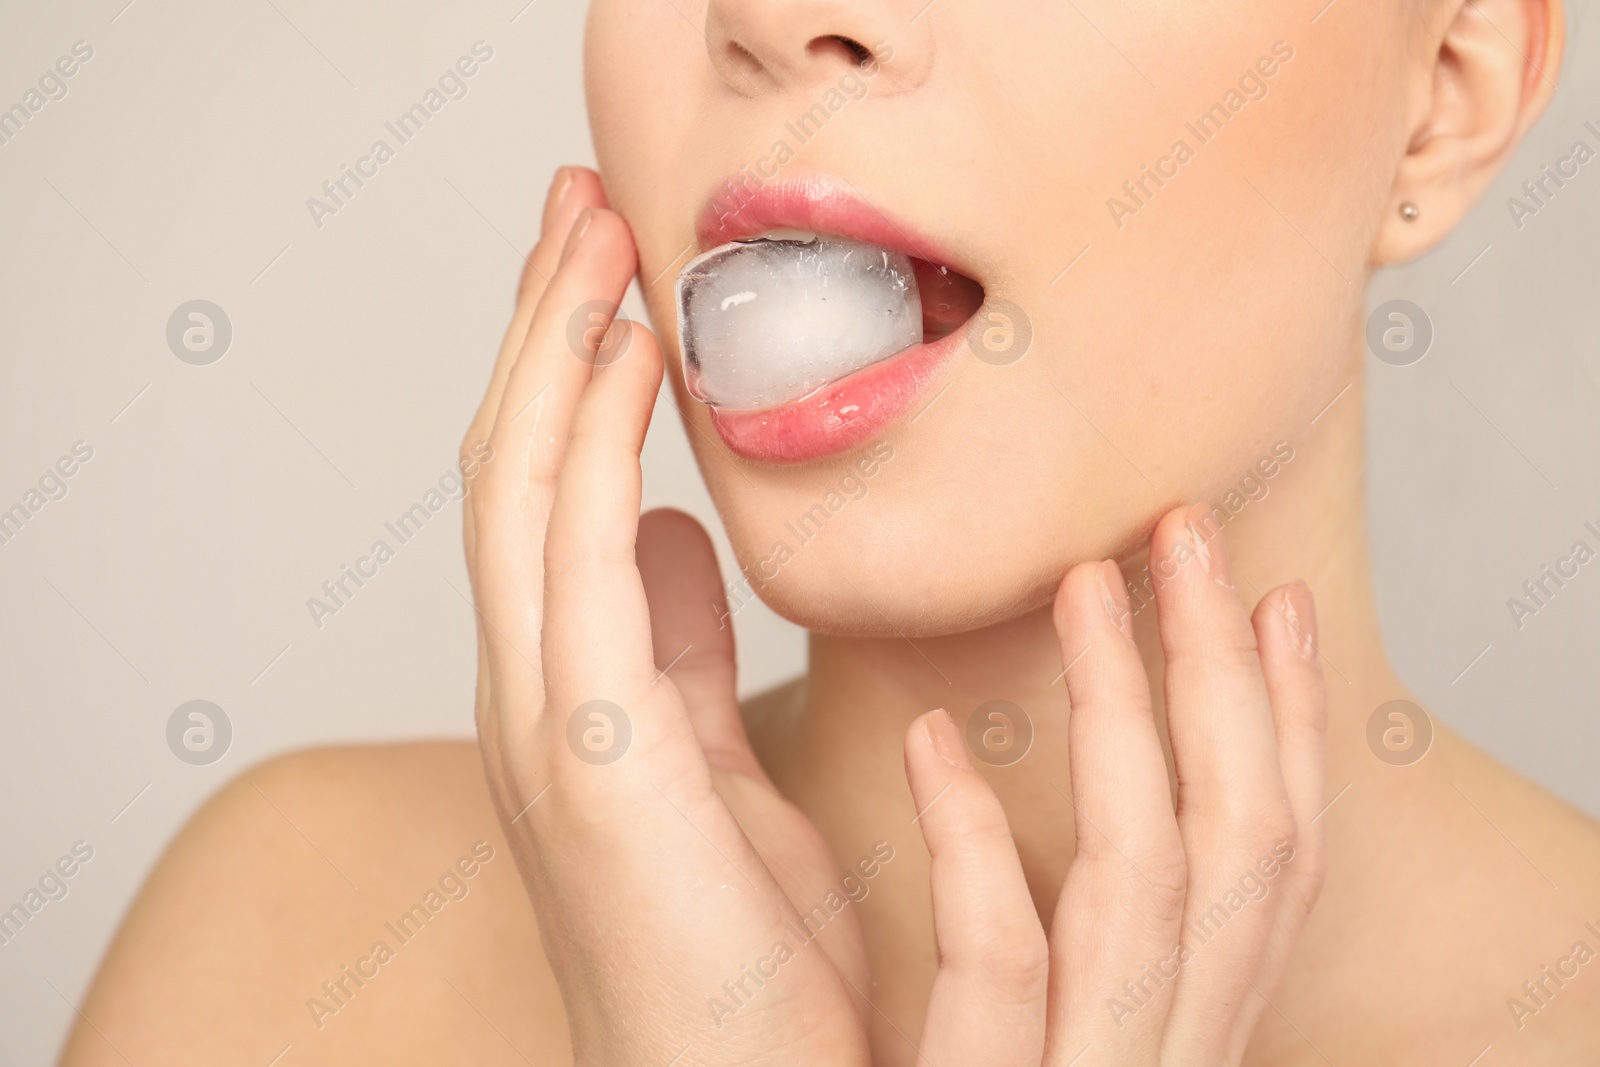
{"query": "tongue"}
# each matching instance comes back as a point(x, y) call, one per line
point(769, 321)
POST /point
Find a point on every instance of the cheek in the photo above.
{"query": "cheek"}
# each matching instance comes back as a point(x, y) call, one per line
point(646, 77)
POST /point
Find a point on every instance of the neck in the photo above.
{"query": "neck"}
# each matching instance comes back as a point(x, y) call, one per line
point(841, 758)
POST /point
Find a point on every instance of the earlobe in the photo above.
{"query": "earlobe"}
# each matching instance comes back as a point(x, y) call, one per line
point(1493, 70)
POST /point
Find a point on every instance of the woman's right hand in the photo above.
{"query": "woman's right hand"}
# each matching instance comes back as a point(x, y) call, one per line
point(661, 862)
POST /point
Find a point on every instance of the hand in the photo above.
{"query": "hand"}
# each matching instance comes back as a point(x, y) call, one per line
point(1172, 928)
point(660, 876)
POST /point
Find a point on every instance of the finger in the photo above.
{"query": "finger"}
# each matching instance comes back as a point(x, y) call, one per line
point(1113, 941)
point(515, 485)
point(1233, 813)
point(692, 634)
point(1285, 624)
point(596, 643)
point(988, 1001)
point(572, 191)
point(516, 482)
point(649, 818)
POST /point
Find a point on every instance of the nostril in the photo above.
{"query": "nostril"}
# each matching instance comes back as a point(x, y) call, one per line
point(853, 51)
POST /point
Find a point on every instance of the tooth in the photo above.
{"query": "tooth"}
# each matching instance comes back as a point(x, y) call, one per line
point(771, 320)
point(782, 234)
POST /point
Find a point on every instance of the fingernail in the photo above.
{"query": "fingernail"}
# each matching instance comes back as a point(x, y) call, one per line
point(946, 739)
point(1114, 595)
point(1210, 550)
point(560, 189)
point(1300, 615)
point(578, 230)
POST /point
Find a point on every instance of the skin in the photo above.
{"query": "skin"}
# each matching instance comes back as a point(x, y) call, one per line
point(1449, 882)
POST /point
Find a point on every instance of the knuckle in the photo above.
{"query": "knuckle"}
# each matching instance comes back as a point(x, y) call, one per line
point(1166, 871)
point(1231, 649)
point(1019, 962)
point(1158, 875)
point(1274, 828)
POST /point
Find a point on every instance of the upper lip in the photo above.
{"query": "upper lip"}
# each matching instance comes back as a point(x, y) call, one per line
point(815, 203)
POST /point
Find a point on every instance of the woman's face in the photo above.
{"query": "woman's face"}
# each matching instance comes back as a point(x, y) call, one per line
point(1178, 202)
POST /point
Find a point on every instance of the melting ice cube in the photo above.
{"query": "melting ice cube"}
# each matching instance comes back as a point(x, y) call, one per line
point(768, 321)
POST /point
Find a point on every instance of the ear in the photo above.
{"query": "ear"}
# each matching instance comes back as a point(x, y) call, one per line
point(1493, 70)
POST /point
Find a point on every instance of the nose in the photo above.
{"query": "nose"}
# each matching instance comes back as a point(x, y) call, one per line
point(762, 46)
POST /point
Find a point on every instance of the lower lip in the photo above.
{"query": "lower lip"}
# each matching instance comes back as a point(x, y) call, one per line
point(842, 415)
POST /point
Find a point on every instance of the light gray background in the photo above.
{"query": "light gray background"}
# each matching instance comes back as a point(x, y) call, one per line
point(179, 564)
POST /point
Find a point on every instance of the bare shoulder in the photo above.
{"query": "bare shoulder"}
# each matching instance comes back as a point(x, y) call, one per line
point(337, 905)
point(1461, 914)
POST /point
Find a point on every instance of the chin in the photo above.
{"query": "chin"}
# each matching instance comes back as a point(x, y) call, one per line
point(915, 537)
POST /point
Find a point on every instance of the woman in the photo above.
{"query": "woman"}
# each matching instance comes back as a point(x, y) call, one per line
point(1124, 446)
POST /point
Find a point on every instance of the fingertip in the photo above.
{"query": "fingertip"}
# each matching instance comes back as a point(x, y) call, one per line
point(1076, 588)
point(573, 190)
point(641, 340)
point(945, 738)
point(1300, 618)
point(1285, 621)
point(675, 526)
point(1188, 542)
point(560, 189)
point(580, 227)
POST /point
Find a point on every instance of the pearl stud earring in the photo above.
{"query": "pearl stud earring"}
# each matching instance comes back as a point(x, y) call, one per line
point(1409, 211)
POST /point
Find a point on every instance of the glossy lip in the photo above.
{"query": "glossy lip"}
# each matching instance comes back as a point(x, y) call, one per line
point(848, 412)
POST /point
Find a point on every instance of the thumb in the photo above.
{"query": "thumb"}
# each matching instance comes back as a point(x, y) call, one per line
point(692, 633)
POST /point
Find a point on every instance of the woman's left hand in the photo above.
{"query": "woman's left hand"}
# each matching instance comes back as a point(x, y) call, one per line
point(1173, 927)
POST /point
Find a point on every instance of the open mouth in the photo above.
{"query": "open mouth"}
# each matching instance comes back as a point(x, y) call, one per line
point(804, 340)
point(770, 319)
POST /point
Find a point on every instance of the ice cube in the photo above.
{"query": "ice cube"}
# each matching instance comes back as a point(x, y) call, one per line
point(768, 321)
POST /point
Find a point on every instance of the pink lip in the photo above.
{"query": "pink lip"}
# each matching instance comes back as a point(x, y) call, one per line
point(849, 412)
